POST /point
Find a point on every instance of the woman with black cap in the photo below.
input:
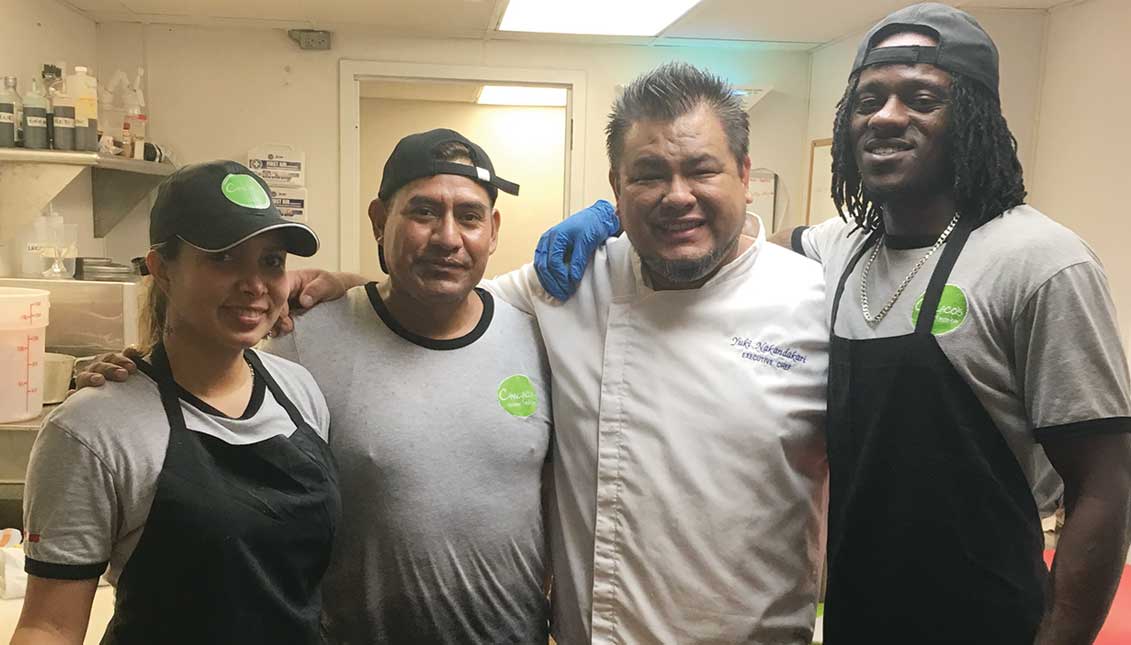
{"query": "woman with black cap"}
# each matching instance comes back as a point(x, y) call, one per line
point(206, 490)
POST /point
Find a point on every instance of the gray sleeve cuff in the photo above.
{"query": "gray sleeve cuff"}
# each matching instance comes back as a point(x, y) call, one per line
point(1111, 425)
point(54, 571)
point(795, 240)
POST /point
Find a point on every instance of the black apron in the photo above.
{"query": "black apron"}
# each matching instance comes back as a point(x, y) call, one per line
point(934, 536)
point(237, 539)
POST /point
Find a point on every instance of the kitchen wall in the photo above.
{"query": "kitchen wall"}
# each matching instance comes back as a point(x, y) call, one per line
point(1084, 134)
point(526, 145)
point(34, 32)
point(216, 92)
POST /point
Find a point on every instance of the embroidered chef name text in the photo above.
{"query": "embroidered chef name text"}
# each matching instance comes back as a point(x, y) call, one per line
point(776, 356)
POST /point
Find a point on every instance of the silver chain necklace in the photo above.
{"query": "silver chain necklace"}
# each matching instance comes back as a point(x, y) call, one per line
point(868, 317)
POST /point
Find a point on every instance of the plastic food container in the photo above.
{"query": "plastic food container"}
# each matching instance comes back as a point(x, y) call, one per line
point(23, 326)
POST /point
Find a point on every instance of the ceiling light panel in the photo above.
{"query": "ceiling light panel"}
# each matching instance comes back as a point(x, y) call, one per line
point(594, 17)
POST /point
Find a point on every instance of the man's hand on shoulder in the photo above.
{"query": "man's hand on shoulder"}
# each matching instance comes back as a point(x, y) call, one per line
point(111, 366)
point(308, 288)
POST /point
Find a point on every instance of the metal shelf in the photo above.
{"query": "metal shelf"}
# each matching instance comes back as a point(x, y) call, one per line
point(29, 179)
point(23, 155)
point(119, 185)
point(135, 166)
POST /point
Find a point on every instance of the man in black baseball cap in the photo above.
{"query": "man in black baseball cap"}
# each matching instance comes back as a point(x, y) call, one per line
point(442, 538)
point(972, 336)
point(216, 205)
point(440, 399)
point(427, 154)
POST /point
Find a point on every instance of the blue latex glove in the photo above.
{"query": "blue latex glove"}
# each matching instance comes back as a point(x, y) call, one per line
point(575, 241)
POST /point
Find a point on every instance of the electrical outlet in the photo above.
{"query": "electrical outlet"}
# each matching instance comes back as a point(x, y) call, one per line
point(316, 39)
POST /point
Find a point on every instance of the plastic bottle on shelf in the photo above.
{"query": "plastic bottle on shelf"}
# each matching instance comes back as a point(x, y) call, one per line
point(83, 88)
point(53, 86)
point(35, 117)
point(13, 83)
point(30, 247)
point(63, 107)
point(138, 123)
point(10, 108)
point(127, 141)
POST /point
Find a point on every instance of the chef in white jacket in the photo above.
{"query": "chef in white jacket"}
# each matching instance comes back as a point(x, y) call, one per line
point(688, 387)
point(689, 376)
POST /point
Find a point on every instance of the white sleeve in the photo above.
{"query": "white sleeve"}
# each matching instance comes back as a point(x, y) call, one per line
point(519, 288)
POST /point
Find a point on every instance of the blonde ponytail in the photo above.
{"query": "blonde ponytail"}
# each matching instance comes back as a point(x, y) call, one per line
point(156, 302)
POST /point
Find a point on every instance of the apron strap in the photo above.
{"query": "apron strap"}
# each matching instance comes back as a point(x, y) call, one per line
point(939, 276)
point(277, 392)
point(160, 372)
point(872, 239)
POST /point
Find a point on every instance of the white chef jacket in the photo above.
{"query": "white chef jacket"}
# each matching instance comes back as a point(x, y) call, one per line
point(689, 453)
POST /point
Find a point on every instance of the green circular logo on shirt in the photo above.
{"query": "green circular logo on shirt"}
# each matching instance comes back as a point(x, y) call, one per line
point(517, 396)
point(950, 314)
point(243, 190)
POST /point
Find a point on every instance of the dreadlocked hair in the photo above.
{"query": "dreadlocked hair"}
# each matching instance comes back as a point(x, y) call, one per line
point(987, 174)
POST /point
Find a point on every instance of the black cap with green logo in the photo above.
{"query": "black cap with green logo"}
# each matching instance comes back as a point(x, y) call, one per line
point(216, 205)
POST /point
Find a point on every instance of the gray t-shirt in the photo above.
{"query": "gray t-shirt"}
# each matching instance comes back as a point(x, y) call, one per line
point(1026, 318)
point(440, 448)
point(94, 467)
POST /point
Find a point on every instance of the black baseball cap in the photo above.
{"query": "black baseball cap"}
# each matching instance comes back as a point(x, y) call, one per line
point(414, 157)
point(219, 204)
point(964, 47)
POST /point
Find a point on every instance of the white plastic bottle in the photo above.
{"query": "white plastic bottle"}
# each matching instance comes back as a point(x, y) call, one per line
point(83, 88)
point(40, 240)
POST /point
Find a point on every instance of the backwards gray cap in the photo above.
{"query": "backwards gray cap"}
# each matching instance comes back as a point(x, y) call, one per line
point(964, 47)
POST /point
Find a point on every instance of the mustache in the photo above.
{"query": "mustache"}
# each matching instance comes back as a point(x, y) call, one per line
point(443, 261)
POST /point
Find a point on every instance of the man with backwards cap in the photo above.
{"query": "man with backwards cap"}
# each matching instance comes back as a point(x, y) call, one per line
point(439, 395)
point(972, 335)
point(440, 401)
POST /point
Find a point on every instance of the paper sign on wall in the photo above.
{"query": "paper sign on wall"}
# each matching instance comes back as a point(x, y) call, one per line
point(763, 188)
point(278, 165)
point(291, 202)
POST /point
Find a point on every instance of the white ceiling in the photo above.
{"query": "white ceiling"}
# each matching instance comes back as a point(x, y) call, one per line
point(786, 22)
